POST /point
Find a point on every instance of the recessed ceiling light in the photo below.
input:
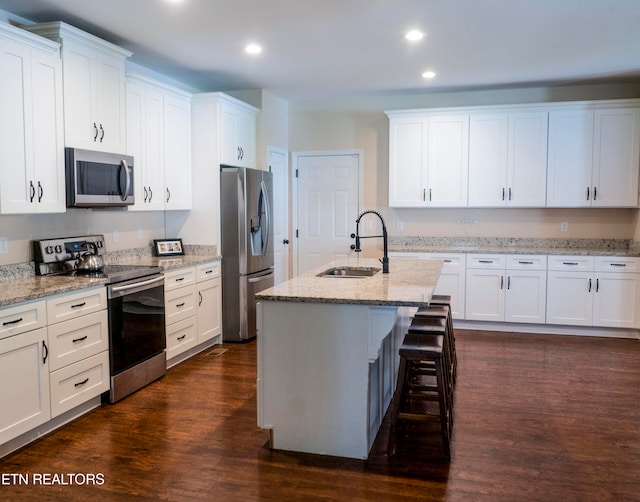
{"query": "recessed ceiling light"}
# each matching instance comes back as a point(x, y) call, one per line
point(253, 49)
point(414, 35)
point(429, 74)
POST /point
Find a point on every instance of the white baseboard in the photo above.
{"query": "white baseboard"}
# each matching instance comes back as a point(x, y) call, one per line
point(550, 329)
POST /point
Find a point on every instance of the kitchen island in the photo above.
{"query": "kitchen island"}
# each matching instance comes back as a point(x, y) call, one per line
point(327, 353)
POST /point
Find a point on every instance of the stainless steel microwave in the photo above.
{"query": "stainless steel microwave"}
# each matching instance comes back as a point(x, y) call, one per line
point(98, 179)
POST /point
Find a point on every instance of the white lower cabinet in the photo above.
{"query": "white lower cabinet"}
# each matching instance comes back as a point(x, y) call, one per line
point(588, 291)
point(193, 305)
point(79, 348)
point(509, 288)
point(24, 383)
point(209, 301)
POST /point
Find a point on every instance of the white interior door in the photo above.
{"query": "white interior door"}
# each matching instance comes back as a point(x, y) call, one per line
point(327, 188)
point(279, 166)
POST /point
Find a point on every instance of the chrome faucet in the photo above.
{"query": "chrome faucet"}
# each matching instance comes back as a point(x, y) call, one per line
point(356, 236)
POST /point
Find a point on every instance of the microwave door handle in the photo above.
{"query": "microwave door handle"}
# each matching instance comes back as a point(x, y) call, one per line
point(123, 164)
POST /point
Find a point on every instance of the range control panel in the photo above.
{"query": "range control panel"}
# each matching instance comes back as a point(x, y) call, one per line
point(62, 249)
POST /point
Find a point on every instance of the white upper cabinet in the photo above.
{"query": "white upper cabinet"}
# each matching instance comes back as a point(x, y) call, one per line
point(428, 160)
point(31, 124)
point(593, 157)
point(94, 88)
point(237, 133)
point(408, 162)
point(508, 159)
point(616, 157)
point(159, 139)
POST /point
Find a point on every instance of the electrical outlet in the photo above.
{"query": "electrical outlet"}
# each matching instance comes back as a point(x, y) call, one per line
point(564, 226)
point(4, 245)
point(368, 225)
point(140, 233)
point(115, 235)
point(467, 222)
point(399, 225)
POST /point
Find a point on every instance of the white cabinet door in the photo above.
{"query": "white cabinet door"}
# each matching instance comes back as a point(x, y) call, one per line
point(488, 160)
point(109, 103)
point(616, 157)
point(31, 129)
point(94, 98)
point(177, 152)
point(615, 300)
point(24, 383)
point(485, 295)
point(237, 134)
point(527, 159)
point(448, 161)
point(526, 296)
point(570, 158)
point(209, 309)
point(408, 162)
point(569, 298)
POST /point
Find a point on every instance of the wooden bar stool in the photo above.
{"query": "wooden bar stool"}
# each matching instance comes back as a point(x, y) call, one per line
point(440, 308)
point(409, 396)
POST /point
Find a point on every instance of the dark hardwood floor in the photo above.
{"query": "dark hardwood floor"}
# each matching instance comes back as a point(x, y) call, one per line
point(537, 417)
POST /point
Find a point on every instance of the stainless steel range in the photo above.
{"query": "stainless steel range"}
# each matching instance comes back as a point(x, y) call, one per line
point(135, 293)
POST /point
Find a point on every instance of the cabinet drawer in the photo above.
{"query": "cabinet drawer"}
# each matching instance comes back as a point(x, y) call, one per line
point(208, 271)
point(77, 339)
point(566, 263)
point(180, 304)
point(616, 264)
point(451, 261)
point(527, 262)
point(179, 278)
point(181, 336)
point(22, 318)
point(486, 261)
point(79, 382)
point(69, 306)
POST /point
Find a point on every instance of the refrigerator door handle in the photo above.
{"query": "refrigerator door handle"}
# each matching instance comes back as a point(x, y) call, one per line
point(261, 277)
point(264, 196)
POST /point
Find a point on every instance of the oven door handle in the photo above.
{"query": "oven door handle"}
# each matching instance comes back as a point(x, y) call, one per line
point(126, 287)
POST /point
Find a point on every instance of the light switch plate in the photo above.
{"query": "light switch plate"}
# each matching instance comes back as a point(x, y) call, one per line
point(4, 245)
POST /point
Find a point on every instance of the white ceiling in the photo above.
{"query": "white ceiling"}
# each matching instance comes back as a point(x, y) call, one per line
point(316, 49)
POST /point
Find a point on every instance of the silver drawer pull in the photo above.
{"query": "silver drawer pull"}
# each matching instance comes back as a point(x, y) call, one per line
point(76, 340)
point(525, 262)
point(80, 384)
point(447, 261)
point(570, 263)
point(15, 321)
point(485, 261)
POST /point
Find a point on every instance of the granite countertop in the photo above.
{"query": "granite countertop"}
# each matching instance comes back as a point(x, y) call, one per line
point(22, 287)
point(408, 283)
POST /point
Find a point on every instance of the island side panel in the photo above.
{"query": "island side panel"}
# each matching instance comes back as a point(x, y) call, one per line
point(313, 376)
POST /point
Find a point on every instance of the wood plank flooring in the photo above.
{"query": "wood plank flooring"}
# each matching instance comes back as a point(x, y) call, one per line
point(537, 418)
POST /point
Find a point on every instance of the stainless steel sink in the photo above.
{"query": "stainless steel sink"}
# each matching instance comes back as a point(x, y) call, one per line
point(349, 272)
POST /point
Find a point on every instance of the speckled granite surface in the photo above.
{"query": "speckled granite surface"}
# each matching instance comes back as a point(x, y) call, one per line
point(591, 247)
point(18, 283)
point(409, 283)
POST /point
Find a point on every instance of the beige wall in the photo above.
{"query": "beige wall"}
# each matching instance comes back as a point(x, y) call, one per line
point(360, 123)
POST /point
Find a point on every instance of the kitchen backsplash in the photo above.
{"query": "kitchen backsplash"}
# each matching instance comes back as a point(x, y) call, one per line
point(422, 242)
point(18, 270)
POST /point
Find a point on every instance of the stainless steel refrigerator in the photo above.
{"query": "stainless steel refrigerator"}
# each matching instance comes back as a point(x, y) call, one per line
point(247, 247)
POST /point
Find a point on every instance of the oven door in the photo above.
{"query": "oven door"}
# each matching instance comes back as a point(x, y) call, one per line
point(136, 322)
